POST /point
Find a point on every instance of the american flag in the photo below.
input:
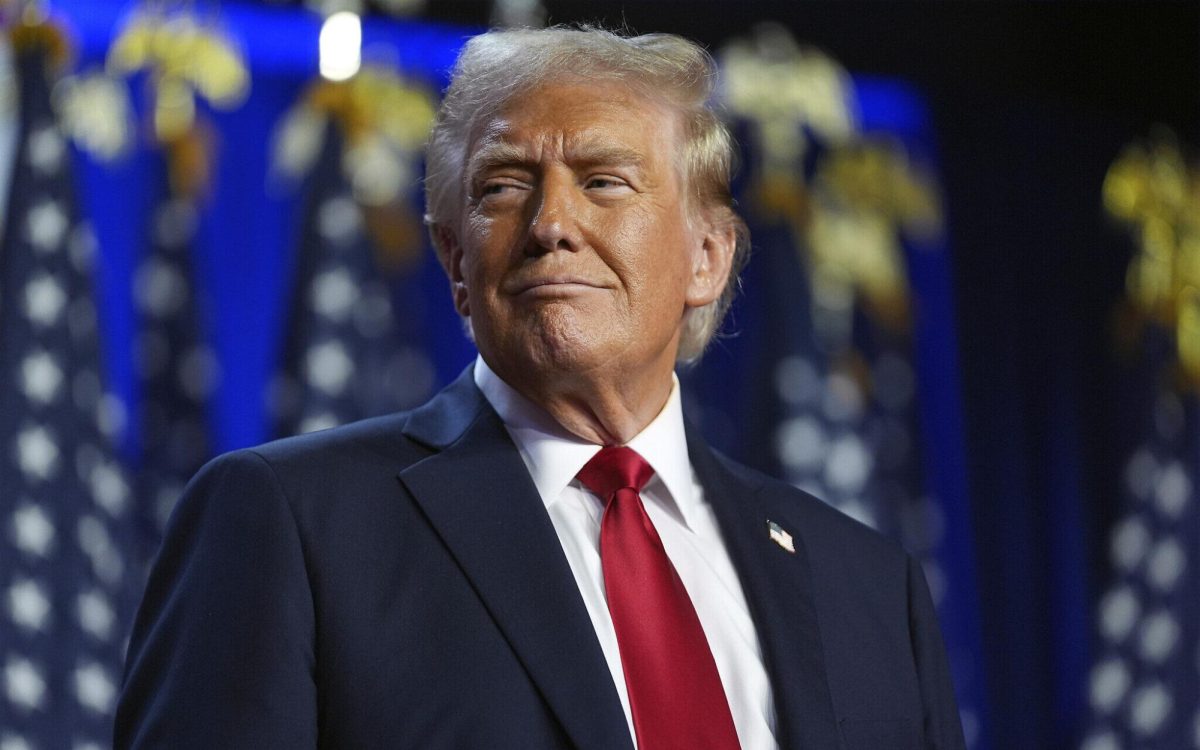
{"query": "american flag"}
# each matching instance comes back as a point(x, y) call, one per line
point(177, 371)
point(345, 357)
point(1144, 687)
point(67, 589)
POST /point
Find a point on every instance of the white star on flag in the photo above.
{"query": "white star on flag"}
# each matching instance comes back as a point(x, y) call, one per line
point(94, 688)
point(41, 377)
point(46, 150)
point(47, 225)
point(95, 615)
point(33, 530)
point(23, 683)
point(28, 605)
point(44, 300)
point(37, 453)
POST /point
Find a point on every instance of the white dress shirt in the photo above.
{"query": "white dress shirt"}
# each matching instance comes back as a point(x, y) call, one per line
point(675, 502)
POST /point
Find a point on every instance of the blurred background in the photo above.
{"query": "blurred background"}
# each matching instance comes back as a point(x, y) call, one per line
point(971, 318)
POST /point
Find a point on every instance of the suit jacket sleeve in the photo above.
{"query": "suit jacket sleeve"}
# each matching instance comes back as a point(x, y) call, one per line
point(943, 728)
point(222, 648)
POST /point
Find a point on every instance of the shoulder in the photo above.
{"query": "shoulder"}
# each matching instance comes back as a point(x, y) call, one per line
point(349, 449)
point(379, 438)
point(295, 475)
point(394, 441)
point(330, 482)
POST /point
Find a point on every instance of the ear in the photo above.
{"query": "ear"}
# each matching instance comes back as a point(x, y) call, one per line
point(711, 258)
point(450, 254)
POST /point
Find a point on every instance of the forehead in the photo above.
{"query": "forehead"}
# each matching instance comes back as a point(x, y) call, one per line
point(575, 117)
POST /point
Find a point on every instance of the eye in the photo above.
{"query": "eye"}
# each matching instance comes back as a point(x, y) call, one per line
point(605, 182)
point(496, 187)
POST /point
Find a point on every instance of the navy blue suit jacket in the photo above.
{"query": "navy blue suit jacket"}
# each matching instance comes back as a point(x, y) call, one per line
point(397, 583)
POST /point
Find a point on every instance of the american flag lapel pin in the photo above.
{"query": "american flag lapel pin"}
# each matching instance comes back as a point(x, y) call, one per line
point(780, 537)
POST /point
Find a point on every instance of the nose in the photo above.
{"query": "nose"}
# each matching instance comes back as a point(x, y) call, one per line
point(555, 221)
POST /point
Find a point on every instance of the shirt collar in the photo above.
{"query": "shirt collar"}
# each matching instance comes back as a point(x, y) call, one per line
point(554, 456)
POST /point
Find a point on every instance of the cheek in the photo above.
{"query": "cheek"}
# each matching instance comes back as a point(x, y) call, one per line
point(484, 252)
point(659, 257)
point(641, 242)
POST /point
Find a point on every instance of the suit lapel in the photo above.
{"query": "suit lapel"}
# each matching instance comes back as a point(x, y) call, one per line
point(479, 497)
point(779, 591)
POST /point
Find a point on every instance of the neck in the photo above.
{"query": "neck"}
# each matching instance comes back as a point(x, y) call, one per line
point(597, 407)
point(608, 416)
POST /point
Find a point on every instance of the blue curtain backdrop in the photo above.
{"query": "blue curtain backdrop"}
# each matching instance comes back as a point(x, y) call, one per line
point(1013, 553)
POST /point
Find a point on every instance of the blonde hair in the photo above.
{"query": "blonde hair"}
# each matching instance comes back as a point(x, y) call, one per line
point(496, 66)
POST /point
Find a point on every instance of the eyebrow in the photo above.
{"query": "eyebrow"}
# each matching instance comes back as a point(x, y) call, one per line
point(598, 154)
point(495, 154)
point(499, 153)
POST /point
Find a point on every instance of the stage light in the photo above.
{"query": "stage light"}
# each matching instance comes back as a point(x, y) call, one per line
point(341, 46)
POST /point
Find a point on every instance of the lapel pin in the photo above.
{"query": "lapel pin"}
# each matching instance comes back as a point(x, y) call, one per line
point(781, 537)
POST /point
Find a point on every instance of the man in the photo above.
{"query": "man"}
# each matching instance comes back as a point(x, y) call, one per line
point(544, 555)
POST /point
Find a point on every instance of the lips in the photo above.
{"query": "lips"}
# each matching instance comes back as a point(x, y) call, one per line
point(554, 286)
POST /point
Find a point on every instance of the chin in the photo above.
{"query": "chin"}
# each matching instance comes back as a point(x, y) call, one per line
point(562, 341)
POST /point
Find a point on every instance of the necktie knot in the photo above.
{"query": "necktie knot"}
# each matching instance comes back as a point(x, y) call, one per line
point(614, 468)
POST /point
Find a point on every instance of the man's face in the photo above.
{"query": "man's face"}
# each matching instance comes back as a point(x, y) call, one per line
point(575, 250)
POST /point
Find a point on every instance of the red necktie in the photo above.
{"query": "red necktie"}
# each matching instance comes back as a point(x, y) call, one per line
point(675, 692)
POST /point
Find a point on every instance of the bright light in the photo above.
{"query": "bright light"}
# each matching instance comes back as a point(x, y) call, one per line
point(341, 46)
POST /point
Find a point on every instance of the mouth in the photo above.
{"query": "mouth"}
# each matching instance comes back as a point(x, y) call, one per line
point(555, 286)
